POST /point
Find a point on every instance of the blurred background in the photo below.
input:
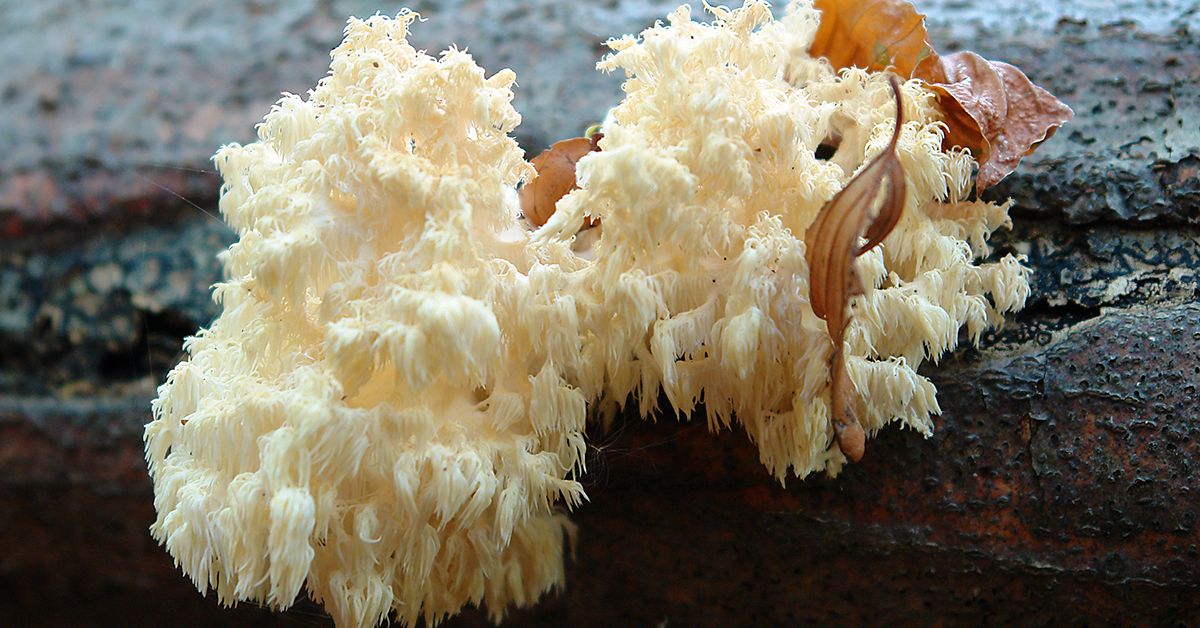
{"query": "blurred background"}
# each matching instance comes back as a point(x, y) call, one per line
point(1060, 486)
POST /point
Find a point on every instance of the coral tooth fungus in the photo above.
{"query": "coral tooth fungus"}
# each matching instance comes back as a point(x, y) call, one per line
point(390, 411)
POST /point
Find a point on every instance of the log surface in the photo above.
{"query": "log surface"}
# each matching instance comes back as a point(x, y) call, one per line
point(1060, 483)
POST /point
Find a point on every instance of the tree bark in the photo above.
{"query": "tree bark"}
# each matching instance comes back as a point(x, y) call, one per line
point(1059, 486)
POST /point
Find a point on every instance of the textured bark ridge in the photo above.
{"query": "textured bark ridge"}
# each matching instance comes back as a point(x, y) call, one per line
point(1060, 483)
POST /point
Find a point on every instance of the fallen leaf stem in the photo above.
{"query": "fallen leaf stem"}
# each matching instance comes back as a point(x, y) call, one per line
point(869, 206)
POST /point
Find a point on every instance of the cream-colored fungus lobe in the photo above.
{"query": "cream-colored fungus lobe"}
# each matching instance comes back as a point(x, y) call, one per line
point(391, 409)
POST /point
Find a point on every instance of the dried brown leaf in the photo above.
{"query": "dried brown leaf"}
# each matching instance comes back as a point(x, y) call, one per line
point(991, 108)
point(869, 206)
point(872, 34)
point(1013, 116)
point(555, 177)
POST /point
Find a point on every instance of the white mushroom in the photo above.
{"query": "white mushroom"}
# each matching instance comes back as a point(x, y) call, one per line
point(393, 401)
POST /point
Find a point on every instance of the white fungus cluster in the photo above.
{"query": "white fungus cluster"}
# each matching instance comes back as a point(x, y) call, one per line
point(392, 404)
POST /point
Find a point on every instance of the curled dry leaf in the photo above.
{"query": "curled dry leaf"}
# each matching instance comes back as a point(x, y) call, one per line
point(1013, 116)
point(870, 205)
point(555, 177)
point(991, 108)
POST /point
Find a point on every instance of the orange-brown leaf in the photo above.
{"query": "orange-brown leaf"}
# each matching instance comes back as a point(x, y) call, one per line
point(555, 177)
point(991, 108)
point(869, 206)
point(871, 34)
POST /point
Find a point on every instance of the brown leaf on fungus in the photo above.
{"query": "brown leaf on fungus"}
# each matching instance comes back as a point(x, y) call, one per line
point(991, 108)
point(1013, 116)
point(871, 34)
point(555, 177)
point(869, 206)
